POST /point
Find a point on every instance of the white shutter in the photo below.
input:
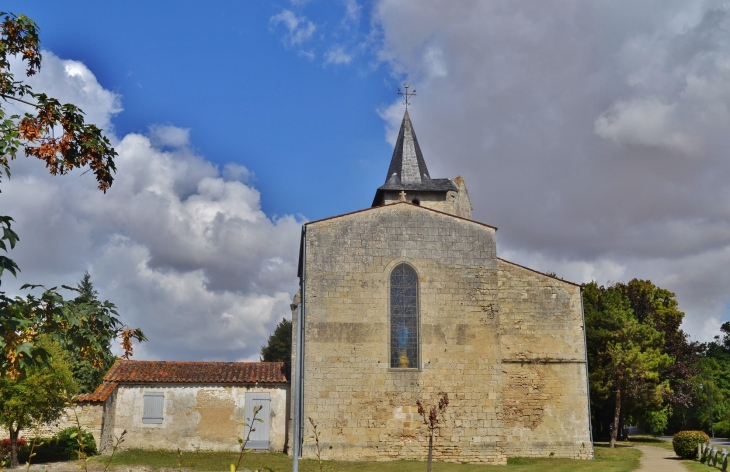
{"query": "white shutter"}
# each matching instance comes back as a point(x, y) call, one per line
point(259, 438)
point(154, 403)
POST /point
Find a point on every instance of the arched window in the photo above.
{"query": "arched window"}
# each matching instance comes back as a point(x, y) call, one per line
point(404, 317)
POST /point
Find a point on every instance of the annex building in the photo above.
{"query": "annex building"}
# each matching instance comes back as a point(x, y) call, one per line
point(407, 300)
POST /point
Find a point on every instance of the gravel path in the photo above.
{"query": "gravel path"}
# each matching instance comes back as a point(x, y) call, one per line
point(656, 459)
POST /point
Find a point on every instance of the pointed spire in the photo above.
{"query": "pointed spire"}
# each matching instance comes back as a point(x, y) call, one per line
point(407, 164)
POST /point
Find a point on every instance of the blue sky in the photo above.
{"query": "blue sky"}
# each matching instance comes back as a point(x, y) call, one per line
point(224, 71)
point(592, 134)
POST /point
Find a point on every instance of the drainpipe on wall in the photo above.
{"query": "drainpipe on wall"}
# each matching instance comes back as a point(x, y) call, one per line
point(588, 385)
point(298, 428)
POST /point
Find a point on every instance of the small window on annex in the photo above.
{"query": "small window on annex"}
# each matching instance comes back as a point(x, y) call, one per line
point(404, 317)
point(154, 403)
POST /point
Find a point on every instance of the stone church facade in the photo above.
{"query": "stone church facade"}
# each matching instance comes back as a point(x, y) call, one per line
point(407, 300)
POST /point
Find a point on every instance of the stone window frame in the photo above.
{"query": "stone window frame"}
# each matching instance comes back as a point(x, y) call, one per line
point(389, 271)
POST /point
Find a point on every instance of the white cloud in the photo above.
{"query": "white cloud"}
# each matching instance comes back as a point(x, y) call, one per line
point(299, 28)
point(573, 123)
point(433, 58)
point(647, 122)
point(169, 135)
point(337, 55)
point(180, 246)
point(352, 11)
point(74, 83)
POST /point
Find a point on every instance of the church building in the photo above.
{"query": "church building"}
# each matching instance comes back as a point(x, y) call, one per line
point(408, 300)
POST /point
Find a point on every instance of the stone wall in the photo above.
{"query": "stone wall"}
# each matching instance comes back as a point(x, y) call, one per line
point(364, 409)
point(195, 417)
point(90, 416)
point(543, 365)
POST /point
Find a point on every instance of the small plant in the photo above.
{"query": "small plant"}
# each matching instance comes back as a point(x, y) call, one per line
point(84, 441)
point(432, 422)
point(243, 442)
point(115, 446)
point(685, 443)
point(33, 443)
point(179, 460)
point(316, 441)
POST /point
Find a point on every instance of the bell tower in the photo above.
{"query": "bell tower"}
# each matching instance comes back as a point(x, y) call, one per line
point(408, 179)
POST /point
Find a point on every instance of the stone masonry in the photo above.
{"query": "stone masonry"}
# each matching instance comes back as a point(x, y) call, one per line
point(505, 342)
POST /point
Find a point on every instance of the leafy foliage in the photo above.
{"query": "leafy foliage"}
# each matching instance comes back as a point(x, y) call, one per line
point(278, 349)
point(711, 389)
point(57, 134)
point(8, 237)
point(626, 358)
point(79, 144)
point(685, 443)
point(82, 326)
point(89, 372)
point(68, 445)
point(37, 397)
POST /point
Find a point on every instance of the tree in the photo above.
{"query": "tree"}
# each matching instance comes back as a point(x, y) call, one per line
point(278, 348)
point(38, 397)
point(57, 134)
point(432, 422)
point(625, 357)
point(659, 308)
point(88, 374)
point(86, 288)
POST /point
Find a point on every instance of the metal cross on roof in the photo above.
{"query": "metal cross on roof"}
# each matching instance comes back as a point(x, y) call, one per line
point(406, 95)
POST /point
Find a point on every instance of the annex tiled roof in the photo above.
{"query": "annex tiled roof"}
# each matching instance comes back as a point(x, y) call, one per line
point(198, 372)
point(101, 393)
point(187, 372)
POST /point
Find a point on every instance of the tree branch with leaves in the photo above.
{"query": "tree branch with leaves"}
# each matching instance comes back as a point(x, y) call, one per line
point(57, 134)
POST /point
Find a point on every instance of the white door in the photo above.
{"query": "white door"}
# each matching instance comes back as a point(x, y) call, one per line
point(259, 438)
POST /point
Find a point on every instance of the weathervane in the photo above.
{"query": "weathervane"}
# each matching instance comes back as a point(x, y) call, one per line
point(406, 95)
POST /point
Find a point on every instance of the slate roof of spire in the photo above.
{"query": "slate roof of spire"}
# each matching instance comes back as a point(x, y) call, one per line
point(408, 169)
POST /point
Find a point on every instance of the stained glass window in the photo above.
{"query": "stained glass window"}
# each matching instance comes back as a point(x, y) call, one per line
point(403, 317)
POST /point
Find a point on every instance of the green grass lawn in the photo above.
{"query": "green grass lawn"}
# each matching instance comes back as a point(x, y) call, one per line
point(696, 466)
point(621, 459)
point(649, 441)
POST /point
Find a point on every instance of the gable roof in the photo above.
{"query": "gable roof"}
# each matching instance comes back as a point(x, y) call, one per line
point(538, 272)
point(188, 372)
point(399, 203)
point(198, 372)
point(375, 208)
point(101, 393)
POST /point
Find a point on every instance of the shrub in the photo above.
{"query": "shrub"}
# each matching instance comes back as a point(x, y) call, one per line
point(722, 429)
point(61, 447)
point(68, 445)
point(5, 447)
point(685, 443)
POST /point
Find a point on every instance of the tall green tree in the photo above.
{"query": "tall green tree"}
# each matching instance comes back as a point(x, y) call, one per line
point(710, 408)
point(625, 357)
point(86, 288)
point(278, 348)
point(36, 398)
point(658, 307)
point(56, 134)
point(89, 372)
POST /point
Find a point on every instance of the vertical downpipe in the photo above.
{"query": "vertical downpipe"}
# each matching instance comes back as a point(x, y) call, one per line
point(298, 427)
point(588, 385)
